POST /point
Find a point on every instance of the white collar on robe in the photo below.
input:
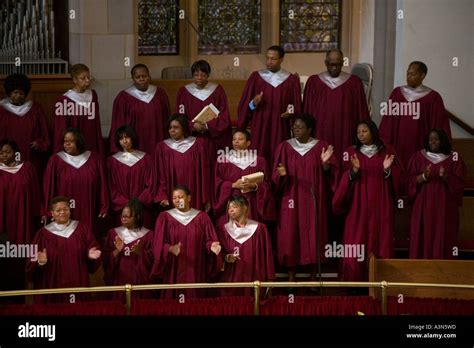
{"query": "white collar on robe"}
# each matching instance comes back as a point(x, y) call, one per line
point(434, 158)
point(181, 145)
point(129, 158)
point(334, 82)
point(11, 170)
point(412, 94)
point(144, 96)
point(183, 218)
point(201, 94)
point(274, 79)
point(19, 110)
point(75, 161)
point(302, 148)
point(241, 234)
point(128, 236)
point(369, 150)
point(83, 99)
point(62, 230)
point(242, 160)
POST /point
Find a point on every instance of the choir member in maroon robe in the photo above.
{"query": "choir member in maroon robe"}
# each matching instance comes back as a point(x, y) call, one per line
point(411, 112)
point(337, 101)
point(186, 247)
point(20, 201)
point(79, 108)
point(67, 252)
point(367, 195)
point(269, 100)
point(230, 168)
point(305, 174)
point(194, 97)
point(435, 188)
point(145, 108)
point(128, 252)
point(183, 160)
point(246, 247)
point(23, 121)
point(80, 175)
point(130, 175)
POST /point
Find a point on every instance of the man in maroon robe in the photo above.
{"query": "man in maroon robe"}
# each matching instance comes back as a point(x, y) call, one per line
point(145, 108)
point(186, 246)
point(337, 102)
point(194, 97)
point(270, 98)
point(411, 112)
point(79, 108)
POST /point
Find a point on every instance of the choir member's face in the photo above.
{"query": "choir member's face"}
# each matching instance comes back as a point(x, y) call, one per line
point(7, 155)
point(301, 131)
point(17, 97)
point(141, 79)
point(240, 142)
point(434, 142)
point(334, 63)
point(61, 212)
point(273, 61)
point(235, 211)
point(82, 81)
point(127, 219)
point(414, 76)
point(181, 200)
point(176, 131)
point(364, 135)
point(126, 143)
point(69, 144)
point(200, 78)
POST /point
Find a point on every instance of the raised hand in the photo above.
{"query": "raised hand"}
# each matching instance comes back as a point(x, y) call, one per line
point(164, 203)
point(94, 253)
point(281, 169)
point(355, 163)
point(388, 161)
point(216, 248)
point(118, 242)
point(175, 249)
point(42, 257)
point(443, 173)
point(427, 171)
point(257, 99)
point(326, 154)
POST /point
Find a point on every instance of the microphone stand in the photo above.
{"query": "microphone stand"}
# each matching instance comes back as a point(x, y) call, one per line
point(318, 251)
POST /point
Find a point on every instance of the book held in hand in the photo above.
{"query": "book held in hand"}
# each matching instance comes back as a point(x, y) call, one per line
point(207, 114)
point(254, 178)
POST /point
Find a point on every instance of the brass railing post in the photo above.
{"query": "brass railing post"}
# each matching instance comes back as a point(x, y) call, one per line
point(128, 298)
point(384, 286)
point(256, 294)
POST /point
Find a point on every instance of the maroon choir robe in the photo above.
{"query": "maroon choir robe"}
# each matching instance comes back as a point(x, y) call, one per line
point(196, 263)
point(146, 112)
point(20, 201)
point(186, 162)
point(68, 263)
point(230, 168)
point(81, 111)
point(190, 100)
point(408, 127)
point(25, 124)
point(130, 175)
point(336, 104)
point(133, 264)
point(281, 92)
point(369, 202)
point(434, 223)
point(253, 246)
point(82, 179)
point(305, 184)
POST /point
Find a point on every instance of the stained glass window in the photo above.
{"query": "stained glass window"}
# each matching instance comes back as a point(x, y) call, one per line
point(158, 27)
point(309, 26)
point(229, 26)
